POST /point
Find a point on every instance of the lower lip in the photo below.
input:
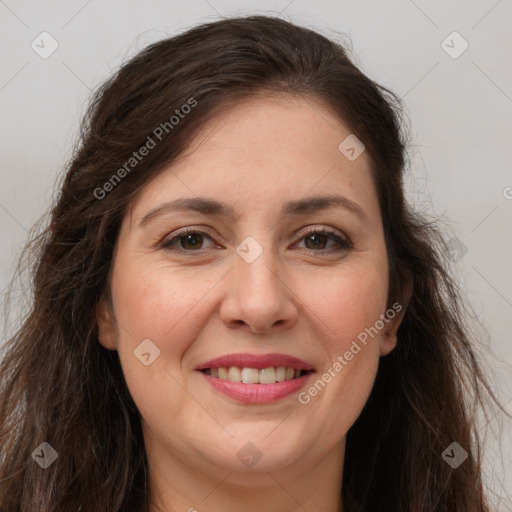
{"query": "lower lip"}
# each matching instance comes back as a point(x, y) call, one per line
point(257, 393)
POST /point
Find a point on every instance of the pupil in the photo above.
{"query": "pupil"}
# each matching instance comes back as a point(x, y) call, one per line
point(315, 237)
point(191, 236)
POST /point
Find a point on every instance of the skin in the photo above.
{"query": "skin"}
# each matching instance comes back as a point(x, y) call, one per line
point(210, 302)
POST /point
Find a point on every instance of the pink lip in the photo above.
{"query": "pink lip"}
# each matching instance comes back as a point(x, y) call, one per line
point(257, 393)
point(256, 361)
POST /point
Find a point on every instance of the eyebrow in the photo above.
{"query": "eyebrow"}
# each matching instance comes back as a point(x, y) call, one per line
point(214, 208)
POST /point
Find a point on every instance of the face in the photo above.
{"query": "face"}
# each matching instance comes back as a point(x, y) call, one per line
point(264, 279)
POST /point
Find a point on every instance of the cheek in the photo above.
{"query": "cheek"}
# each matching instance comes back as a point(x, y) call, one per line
point(347, 302)
point(162, 305)
point(347, 307)
point(339, 393)
point(340, 389)
point(156, 303)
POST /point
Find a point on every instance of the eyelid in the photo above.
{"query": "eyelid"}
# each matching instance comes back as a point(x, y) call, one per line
point(325, 230)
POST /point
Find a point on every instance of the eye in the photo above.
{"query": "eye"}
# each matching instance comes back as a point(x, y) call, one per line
point(191, 240)
point(317, 239)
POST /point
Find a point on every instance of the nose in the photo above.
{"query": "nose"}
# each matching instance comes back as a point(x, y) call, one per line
point(258, 298)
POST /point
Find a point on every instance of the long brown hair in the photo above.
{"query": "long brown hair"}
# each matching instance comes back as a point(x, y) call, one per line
point(60, 386)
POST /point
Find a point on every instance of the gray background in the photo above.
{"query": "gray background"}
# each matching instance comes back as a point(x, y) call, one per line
point(460, 110)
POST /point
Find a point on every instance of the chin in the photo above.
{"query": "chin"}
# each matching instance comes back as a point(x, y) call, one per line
point(260, 447)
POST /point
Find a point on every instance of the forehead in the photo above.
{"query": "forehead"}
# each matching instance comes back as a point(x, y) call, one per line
point(262, 152)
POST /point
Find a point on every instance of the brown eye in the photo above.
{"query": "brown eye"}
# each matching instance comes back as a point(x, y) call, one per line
point(317, 240)
point(190, 240)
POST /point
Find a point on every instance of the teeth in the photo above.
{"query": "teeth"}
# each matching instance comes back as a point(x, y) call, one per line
point(234, 374)
point(250, 375)
point(269, 375)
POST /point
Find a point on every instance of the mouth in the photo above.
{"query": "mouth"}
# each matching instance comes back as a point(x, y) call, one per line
point(256, 378)
point(247, 375)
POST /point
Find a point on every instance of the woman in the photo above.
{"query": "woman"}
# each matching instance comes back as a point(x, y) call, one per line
point(234, 306)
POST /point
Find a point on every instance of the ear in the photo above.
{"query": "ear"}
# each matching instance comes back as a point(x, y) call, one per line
point(395, 315)
point(106, 325)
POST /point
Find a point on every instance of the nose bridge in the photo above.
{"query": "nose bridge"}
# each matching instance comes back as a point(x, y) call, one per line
point(257, 294)
point(256, 270)
point(257, 267)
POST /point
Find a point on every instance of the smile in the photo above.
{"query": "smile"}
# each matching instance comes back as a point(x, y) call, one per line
point(256, 378)
point(245, 375)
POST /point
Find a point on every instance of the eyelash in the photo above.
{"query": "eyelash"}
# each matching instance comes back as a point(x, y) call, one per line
point(343, 243)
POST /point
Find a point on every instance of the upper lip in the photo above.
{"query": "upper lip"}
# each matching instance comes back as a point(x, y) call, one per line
point(258, 361)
